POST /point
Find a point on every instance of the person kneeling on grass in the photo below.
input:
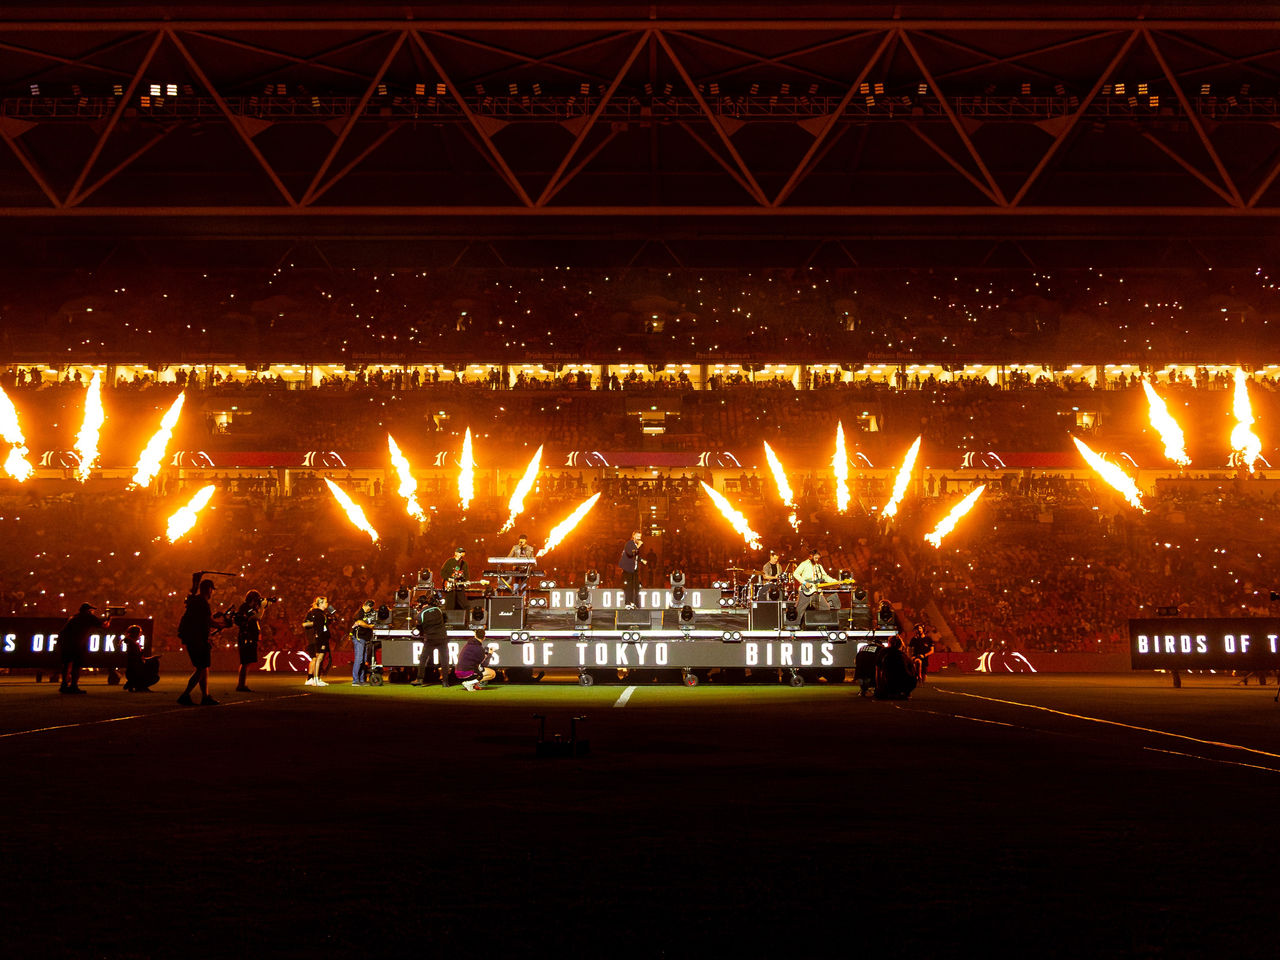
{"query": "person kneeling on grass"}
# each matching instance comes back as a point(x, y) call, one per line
point(472, 669)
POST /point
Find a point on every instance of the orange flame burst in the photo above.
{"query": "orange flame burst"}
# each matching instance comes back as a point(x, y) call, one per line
point(180, 523)
point(1243, 440)
point(352, 510)
point(408, 485)
point(149, 462)
point(736, 519)
point(1175, 448)
point(16, 464)
point(565, 526)
point(784, 488)
point(951, 519)
point(901, 481)
point(840, 463)
point(516, 505)
point(87, 438)
point(1112, 474)
point(467, 473)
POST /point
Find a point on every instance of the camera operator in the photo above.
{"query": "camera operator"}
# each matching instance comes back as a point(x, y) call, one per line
point(193, 630)
point(72, 641)
point(361, 643)
point(895, 674)
point(316, 626)
point(248, 620)
point(429, 623)
point(141, 672)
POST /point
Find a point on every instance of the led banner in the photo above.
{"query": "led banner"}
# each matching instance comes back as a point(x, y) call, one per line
point(664, 599)
point(32, 642)
point(1212, 643)
point(594, 653)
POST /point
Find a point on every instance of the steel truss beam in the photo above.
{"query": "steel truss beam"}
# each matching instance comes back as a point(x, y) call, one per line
point(612, 48)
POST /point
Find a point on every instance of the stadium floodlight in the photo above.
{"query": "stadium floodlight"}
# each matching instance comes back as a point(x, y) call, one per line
point(1206, 89)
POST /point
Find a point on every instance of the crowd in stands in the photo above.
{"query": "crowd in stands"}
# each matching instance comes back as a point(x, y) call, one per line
point(459, 313)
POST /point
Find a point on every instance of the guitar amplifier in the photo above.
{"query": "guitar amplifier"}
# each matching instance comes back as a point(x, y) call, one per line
point(765, 615)
point(638, 619)
point(816, 619)
point(506, 613)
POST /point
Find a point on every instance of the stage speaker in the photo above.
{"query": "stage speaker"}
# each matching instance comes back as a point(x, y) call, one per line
point(506, 613)
point(764, 615)
point(815, 619)
point(637, 619)
point(456, 618)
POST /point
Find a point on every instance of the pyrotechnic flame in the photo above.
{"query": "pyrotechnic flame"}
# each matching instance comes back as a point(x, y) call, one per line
point(1174, 444)
point(522, 490)
point(408, 485)
point(840, 463)
point(181, 522)
point(951, 519)
point(1109, 472)
point(784, 488)
point(15, 464)
point(735, 518)
point(353, 511)
point(87, 438)
point(1243, 440)
point(902, 480)
point(466, 475)
point(153, 455)
point(565, 526)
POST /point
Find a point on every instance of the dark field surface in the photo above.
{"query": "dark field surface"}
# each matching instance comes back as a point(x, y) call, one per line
point(716, 821)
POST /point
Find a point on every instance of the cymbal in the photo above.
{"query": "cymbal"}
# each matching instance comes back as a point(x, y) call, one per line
point(734, 570)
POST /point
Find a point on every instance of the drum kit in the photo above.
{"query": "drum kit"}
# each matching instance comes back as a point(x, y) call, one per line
point(753, 587)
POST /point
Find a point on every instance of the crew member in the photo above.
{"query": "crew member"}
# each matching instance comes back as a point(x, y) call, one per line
point(809, 574)
point(473, 669)
point(429, 623)
point(73, 642)
point(361, 643)
point(193, 630)
point(316, 627)
point(248, 619)
point(453, 578)
point(921, 645)
point(630, 562)
point(140, 671)
point(770, 575)
point(895, 675)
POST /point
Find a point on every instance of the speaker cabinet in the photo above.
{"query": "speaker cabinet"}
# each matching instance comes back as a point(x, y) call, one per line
point(638, 619)
point(816, 619)
point(765, 615)
point(506, 613)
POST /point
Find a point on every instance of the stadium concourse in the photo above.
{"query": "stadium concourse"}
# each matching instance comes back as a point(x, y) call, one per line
point(1064, 816)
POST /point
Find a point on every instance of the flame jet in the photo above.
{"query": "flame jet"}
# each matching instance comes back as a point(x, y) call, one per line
point(180, 523)
point(784, 488)
point(949, 522)
point(565, 526)
point(352, 509)
point(153, 454)
point(1112, 474)
point(903, 478)
point(1175, 447)
point(87, 438)
point(736, 519)
point(516, 506)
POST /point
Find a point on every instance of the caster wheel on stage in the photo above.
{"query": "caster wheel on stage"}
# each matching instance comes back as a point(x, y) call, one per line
point(797, 681)
point(586, 679)
point(691, 680)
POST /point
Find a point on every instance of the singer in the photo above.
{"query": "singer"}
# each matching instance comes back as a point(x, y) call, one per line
point(630, 562)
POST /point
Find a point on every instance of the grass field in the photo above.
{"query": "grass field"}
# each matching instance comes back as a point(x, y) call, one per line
point(996, 815)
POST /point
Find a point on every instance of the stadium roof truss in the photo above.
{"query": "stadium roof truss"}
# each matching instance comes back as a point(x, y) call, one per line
point(613, 118)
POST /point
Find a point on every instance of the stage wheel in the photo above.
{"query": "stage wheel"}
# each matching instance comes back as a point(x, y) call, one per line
point(796, 680)
point(691, 680)
point(586, 679)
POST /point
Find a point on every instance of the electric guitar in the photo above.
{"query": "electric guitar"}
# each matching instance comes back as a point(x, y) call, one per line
point(810, 587)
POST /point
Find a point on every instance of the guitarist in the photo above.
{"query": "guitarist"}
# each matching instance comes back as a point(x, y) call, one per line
point(453, 576)
point(808, 574)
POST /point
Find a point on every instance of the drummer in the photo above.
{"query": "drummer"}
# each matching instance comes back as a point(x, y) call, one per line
point(770, 574)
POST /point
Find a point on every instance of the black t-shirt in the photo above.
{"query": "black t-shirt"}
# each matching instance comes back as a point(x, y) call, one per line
point(453, 569)
point(364, 633)
point(196, 621)
point(319, 620)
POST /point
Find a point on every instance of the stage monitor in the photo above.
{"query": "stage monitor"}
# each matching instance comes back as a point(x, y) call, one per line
point(765, 615)
point(638, 620)
point(816, 619)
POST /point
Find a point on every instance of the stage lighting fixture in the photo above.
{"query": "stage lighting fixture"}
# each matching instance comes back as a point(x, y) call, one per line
point(686, 615)
point(424, 578)
point(1060, 89)
point(715, 89)
point(582, 615)
point(677, 578)
point(419, 89)
point(584, 595)
point(885, 615)
point(592, 579)
point(837, 636)
point(153, 90)
point(402, 594)
point(117, 89)
point(677, 594)
point(731, 636)
point(922, 88)
point(1206, 89)
point(775, 593)
point(537, 89)
point(382, 90)
point(521, 637)
point(513, 89)
point(584, 90)
point(1025, 90)
point(477, 614)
